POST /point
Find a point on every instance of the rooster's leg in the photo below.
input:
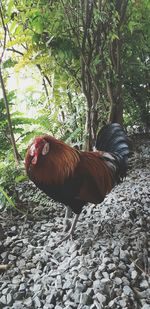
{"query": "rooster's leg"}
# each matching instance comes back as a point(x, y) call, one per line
point(71, 229)
point(67, 222)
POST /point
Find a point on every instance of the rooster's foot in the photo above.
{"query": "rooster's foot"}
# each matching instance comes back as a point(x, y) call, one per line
point(67, 221)
point(68, 236)
point(71, 230)
point(67, 225)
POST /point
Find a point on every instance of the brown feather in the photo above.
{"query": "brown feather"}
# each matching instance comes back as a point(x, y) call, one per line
point(56, 166)
point(98, 181)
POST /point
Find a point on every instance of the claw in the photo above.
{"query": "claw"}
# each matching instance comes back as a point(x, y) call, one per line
point(63, 239)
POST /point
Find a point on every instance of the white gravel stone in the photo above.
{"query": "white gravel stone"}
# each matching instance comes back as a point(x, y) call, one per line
point(101, 298)
point(28, 302)
point(117, 281)
point(3, 300)
point(134, 274)
point(144, 284)
point(127, 290)
point(145, 306)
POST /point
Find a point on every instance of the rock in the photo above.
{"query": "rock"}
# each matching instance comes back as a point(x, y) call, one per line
point(67, 285)
point(101, 298)
point(122, 266)
point(124, 255)
point(9, 299)
point(22, 287)
point(133, 274)
point(36, 288)
point(105, 281)
point(28, 302)
point(144, 284)
point(74, 247)
point(17, 305)
point(11, 257)
point(58, 282)
point(75, 296)
point(127, 290)
point(111, 266)
point(5, 291)
point(106, 260)
point(105, 274)
point(145, 306)
point(85, 299)
point(16, 279)
point(125, 281)
point(83, 275)
point(122, 303)
point(112, 304)
point(51, 299)
point(92, 276)
point(79, 286)
point(74, 262)
point(48, 306)
point(3, 300)
point(4, 255)
point(20, 263)
point(19, 295)
point(116, 251)
point(69, 305)
point(117, 281)
point(96, 284)
point(74, 254)
point(101, 268)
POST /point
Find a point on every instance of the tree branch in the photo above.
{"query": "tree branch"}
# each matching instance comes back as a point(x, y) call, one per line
point(5, 34)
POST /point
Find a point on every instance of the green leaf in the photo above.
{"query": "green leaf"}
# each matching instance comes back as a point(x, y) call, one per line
point(10, 7)
point(18, 30)
point(9, 63)
point(37, 24)
point(20, 178)
point(114, 36)
point(9, 200)
point(13, 26)
point(7, 197)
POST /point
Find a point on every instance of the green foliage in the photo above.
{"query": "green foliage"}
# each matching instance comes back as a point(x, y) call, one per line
point(136, 64)
point(4, 141)
point(9, 63)
point(10, 176)
point(6, 197)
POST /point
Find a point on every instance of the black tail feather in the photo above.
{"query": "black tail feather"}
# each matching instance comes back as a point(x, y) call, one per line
point(113, 139)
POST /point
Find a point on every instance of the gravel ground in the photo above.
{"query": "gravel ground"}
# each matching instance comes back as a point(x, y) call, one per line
point(107, 263)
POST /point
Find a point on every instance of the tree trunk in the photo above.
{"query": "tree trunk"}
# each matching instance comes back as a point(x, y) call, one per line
point(90, 91)
point(116, 103)
point(87, 135)
point(114, 89)
point(15, 151)
point(116, 113)
point(90, 127)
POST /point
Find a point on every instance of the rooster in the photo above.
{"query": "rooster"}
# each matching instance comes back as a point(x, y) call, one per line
point(75, 177)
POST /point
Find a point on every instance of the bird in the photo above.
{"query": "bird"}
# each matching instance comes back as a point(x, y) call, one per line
point(74, 177)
